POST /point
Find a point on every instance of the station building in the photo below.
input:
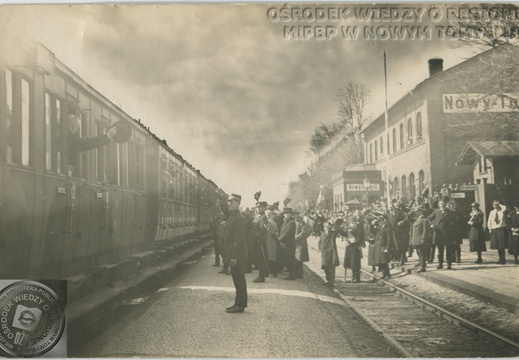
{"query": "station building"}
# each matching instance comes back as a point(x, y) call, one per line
point(429, 128)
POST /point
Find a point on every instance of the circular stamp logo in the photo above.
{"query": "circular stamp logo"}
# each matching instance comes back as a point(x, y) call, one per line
point(32, 319)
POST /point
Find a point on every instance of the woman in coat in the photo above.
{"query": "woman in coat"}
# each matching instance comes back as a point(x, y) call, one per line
point(382, 247)
point(303, 230)
point(476, 232)
point(328, 247)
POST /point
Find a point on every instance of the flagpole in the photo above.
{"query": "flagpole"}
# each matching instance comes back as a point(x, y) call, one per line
point(386, 131)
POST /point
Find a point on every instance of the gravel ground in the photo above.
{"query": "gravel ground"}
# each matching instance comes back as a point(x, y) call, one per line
point(479, 312)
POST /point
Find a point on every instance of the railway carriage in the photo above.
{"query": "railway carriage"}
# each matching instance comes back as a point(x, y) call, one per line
point(65, 214)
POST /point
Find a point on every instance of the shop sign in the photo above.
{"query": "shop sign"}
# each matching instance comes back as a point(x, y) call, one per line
point(360, 187)
point(464, 103)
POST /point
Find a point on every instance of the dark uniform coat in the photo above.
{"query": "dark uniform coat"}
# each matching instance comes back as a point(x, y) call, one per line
point(444, 225)
point(235, 236)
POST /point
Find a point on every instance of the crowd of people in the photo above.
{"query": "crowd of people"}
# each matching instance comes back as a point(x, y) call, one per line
point(276, 240)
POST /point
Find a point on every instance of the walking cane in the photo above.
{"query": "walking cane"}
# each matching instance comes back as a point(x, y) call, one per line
point(266, 262)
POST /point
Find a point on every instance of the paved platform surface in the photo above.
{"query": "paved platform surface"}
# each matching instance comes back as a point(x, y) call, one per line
point(489, 282)
point(285, 319)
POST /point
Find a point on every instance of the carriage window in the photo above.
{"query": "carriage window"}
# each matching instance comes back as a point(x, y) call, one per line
point(9, 119)
point(100, 163)
point(48, 132)
point(26, 113)
point(59, 137)
point(118, 164)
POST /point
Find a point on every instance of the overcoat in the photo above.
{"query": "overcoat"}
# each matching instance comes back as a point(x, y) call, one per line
point(421, 233)
point(258, 238)
point(328, 247)
point(477, 235)
point(353, 250)
point(444, 226)
point(303, 230)
point(382, 243)
point(272, 240)
point(287, 239)
point(399, 239)
point(235, 236)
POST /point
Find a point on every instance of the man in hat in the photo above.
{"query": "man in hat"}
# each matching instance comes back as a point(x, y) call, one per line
point(77, 144)
point(287, 240)
point(259, 237)
point(444, 225)
point(235, 236)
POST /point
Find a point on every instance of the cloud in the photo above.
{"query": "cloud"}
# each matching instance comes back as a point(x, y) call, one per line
point(220, 82)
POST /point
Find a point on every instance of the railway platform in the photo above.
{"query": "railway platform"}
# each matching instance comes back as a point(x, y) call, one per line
point(489, 282)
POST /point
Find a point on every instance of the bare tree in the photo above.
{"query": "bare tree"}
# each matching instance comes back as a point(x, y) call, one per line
point(483, 24)
point(351, 100)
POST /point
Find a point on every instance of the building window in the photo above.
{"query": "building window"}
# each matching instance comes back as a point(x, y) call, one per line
point(394, 141)
point(404, 187)
point(402, 143)
point(419, 134)
point(409, 131)
point(376, 150)
point(421, 181)
point(381, 145)
point(388, 144)
point(371, 153)
point(412, 186)
point(483, 164)
point(396, 189)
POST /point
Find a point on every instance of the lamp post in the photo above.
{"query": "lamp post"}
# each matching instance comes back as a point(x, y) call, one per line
point(366, 184)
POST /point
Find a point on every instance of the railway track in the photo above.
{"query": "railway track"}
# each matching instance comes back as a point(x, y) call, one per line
point(414, 325)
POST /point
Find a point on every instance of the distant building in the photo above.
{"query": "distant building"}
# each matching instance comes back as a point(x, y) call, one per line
point(362, 183)
point(429, 127)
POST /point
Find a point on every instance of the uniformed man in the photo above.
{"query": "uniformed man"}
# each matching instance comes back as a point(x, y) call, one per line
point(235, 233)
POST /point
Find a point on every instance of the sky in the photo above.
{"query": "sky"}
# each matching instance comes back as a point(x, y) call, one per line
point(224, 84)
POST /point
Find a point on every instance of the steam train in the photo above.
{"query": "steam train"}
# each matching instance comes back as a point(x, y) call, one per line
point(64, 214)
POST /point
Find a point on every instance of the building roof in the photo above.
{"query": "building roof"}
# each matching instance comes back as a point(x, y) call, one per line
point(361, 167)
point(487, 149)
